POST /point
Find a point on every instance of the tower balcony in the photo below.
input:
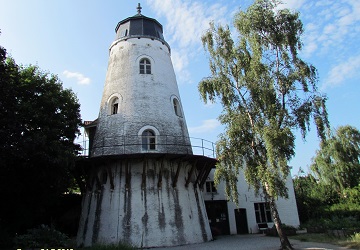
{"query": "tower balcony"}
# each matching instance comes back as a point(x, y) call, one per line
point(164, 144)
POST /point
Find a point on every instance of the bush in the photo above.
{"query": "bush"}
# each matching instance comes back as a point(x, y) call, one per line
point(5, 238)
point(42, 237)
point(288, 230)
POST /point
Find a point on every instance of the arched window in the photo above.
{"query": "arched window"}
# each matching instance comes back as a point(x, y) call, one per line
point(148, 140)
point(145, 66)
point(115, 106)
point(177, 108)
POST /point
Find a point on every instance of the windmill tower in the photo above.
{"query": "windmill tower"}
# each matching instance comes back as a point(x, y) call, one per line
point(143, 182)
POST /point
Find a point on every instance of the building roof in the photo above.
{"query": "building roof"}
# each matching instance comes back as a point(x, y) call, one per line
point(139, 26)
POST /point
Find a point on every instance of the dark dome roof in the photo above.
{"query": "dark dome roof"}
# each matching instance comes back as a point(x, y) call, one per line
point(139, 26)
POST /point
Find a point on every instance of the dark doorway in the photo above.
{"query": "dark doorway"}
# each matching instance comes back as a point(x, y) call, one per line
point(218, 217)
point(241, 221)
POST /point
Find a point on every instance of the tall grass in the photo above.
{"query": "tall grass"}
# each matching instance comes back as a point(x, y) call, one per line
point(354, 241)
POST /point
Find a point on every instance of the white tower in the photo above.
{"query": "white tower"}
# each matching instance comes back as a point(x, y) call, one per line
point(142, 180)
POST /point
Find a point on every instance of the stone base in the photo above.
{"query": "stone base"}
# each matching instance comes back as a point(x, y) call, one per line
point(144, 202)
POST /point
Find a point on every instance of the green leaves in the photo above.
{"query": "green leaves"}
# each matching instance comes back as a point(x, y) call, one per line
point(266, 91)
point(39, 121)
point(337, 163)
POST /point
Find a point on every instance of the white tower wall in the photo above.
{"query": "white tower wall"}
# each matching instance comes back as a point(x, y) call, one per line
point(144, 100)
point(142, 189)
point(137, 204)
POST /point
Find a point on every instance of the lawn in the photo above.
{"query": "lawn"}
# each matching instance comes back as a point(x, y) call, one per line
point(351, 242)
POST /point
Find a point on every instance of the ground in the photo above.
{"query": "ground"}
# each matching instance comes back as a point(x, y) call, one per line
point(253, 242)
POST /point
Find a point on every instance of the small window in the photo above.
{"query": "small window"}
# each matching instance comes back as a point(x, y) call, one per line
point(177, 107)
point(115, 106)
point(124, 33)
point(210, 187)
point(262, 212)
point(148, 140)
point(145, 66)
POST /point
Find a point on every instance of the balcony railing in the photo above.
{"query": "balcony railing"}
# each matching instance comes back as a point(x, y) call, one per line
point(137, 144)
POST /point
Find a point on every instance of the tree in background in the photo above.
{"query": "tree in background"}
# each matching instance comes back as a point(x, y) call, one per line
point(336, 163)
point(312, 197)
point(266, 92)
point(39, 121)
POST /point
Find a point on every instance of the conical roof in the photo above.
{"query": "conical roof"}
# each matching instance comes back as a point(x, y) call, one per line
point(139, 26)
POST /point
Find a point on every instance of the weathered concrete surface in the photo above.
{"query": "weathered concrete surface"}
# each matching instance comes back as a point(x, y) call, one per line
point(145, 100)
point(134, 201)
point(134, 198)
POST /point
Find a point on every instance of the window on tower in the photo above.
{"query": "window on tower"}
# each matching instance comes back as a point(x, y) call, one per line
point(177, 107)
point(145, 66)
point(115, 106)
point(148, 140)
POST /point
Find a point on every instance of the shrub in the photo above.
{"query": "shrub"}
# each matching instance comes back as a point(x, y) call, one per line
point(42, 237)
point(288, 230)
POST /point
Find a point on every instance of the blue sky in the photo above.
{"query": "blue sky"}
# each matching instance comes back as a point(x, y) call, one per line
point(71, 39)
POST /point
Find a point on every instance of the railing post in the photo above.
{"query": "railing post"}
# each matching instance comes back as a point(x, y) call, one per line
point(103, 145)
point(213, 150)
point(202, 146)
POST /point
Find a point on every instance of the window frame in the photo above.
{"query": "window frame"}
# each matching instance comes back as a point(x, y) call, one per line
point(262, 212)
point(145, 66)
point(114, 104)
point(148, 140)
point(176, 106)
point(210, 187)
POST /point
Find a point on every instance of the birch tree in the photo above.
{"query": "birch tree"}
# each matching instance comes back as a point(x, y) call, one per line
point(267, 92)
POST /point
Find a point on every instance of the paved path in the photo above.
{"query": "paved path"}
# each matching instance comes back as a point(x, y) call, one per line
point(253, 242)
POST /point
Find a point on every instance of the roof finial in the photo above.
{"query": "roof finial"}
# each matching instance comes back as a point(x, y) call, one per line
point(139, 9)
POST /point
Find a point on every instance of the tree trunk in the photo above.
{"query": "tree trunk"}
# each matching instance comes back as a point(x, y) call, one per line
point(285, 243)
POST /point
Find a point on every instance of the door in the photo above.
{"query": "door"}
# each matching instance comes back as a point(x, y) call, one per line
point(218, 217)
point(241, 221)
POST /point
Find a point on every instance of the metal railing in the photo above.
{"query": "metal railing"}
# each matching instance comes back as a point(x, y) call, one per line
point(141, 144)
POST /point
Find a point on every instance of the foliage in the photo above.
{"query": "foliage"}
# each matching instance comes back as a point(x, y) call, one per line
point(42, 237)
point(39, 121)
point(266, 92)
point(288, 230)
point(337, 163)
point(352, 195)
point(354, 241)
point(312, 197)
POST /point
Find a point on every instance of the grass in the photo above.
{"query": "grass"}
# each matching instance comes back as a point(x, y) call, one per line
point(352, 241)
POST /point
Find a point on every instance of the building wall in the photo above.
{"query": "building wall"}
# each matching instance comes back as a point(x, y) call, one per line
point(287, 207)
point(138, 204)
point(144, 99)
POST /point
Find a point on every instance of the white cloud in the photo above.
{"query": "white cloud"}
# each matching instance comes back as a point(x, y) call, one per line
point(335, 24)
point(80, 78)
point(343, 71)
point(292, 4)
point(206, 126)
point(186, 21)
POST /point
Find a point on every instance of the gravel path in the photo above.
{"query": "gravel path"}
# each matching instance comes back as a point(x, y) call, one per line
point(252, 242)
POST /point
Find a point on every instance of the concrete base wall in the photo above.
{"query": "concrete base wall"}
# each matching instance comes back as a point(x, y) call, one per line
point(134, 201)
